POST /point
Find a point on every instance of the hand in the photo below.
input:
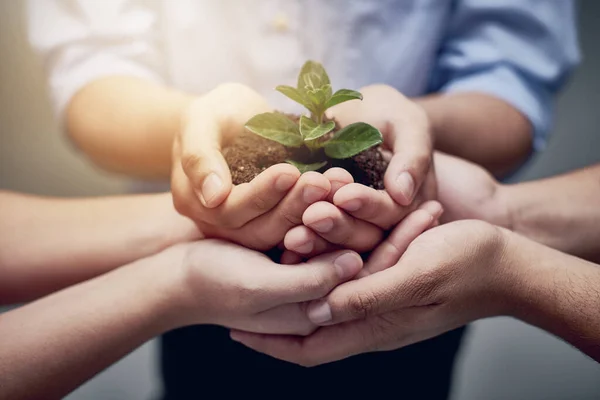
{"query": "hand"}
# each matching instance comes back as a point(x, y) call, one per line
point(449, 276)
point(201, 180)
point(268, 230)
point(468, 191)
point(407, 134)
point(213, 282)
point(353, 217)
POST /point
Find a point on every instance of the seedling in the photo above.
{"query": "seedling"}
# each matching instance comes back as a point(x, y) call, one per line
point(314, 92)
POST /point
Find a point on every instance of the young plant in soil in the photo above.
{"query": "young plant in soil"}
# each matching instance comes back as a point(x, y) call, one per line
point(310, 142)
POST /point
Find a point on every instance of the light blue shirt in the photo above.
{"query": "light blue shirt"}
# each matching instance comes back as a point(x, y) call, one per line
point(521, 51)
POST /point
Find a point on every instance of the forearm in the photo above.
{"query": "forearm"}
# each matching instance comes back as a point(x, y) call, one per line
point(558, 293)
point(479, 128)
point(51, 346)
point(53, 243)
point(127, 125)
point(561, 212)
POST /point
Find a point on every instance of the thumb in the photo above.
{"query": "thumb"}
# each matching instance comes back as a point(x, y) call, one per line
point(412, 149)
point(202, 160)
point(358, 299)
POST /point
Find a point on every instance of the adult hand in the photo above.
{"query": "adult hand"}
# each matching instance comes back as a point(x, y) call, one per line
point(214, 282)
point(448, 276)
point(468, 191)
point(407, 134)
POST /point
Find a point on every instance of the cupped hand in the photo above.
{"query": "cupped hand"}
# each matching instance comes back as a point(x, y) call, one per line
point(200, 178)
point(353, 216)
point(407, 135)
point(448, 276)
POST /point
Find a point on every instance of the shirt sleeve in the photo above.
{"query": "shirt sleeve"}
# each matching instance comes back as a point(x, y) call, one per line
point(521, 51)
point(80, 41)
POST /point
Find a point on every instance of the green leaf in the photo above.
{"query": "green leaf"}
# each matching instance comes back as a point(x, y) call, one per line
point(353, 139)
point(341, 96)
point(307, 167)
point(276, 127)
point(310, 130)
point(318, 98)
point(312, 75)
point(294, 94)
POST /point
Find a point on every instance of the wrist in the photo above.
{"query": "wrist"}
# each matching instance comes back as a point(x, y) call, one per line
point(166, 227)
point(174, 303)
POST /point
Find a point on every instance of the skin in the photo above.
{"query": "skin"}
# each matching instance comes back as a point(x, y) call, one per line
point(173, 133)
point(558, 212)
point(449, 276)
point(467, 270)
point(68, 255)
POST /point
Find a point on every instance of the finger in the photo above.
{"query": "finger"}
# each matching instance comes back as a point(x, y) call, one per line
point(255, 198)
point(185, 200)
point(328, 344)
point(272, 226)
point(311, 280)
point(302, 240)
point(248, 200)
point(389, 252)
point(371, 205)
point(290, 258)
point(201, 157)
point(336, 342)
point(338, 177)
point(389, 290)
point(337, 227)
point(288, 319)
point(410, 163)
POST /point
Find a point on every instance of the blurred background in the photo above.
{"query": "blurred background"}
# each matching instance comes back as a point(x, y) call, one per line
point(502, 358)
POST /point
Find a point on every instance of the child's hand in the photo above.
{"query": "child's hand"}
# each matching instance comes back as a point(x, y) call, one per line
point(200, 177)
point(354, 217)
point(272, 220)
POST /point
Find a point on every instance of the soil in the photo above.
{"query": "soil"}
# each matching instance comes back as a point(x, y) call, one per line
point(251, 154)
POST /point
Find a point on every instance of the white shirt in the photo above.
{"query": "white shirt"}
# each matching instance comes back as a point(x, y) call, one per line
point(518, 50)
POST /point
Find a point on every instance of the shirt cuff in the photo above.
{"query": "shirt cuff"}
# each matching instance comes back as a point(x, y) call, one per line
point(73, 77)
point(505, 83)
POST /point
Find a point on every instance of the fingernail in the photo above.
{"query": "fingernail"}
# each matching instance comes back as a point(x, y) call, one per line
point(406, 184)
point(284, 182)
point(211, 187)
point(319, 313)
point(305, 248)
point(347, 265)
point(323, 226)
point(312, 194)
point(352, 205)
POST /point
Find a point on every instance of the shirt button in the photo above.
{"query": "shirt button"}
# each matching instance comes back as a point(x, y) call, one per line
point(281, 23)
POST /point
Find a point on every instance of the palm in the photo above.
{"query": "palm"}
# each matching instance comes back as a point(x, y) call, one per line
point(466, 190)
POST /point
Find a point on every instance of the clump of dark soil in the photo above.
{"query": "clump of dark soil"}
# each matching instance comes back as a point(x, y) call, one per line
point(251, 154)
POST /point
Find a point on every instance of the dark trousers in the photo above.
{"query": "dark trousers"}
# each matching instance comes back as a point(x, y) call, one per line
point(203, 362)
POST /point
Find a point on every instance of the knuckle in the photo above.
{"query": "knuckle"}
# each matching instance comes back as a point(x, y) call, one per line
point(259, 202)
point(290, 218)
point(190, 162)
point(314, 283)
point(362, 304)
